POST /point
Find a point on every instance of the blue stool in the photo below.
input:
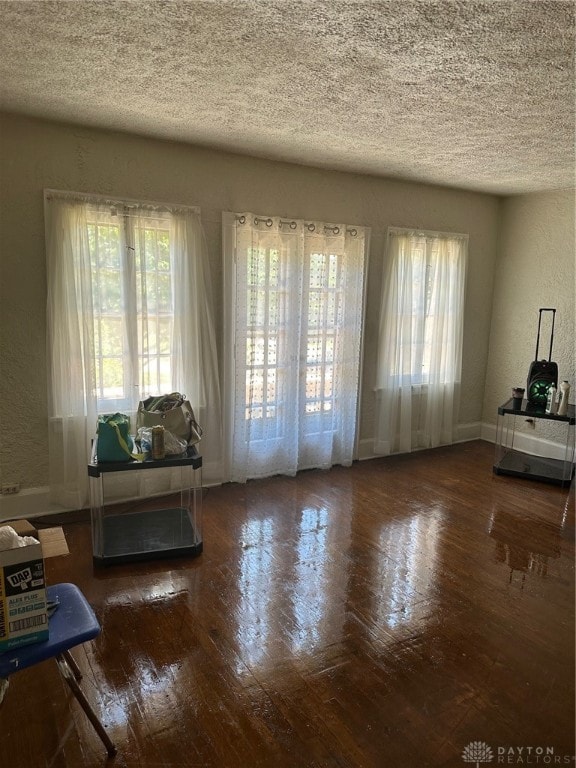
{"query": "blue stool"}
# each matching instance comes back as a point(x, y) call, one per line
point(72, 623)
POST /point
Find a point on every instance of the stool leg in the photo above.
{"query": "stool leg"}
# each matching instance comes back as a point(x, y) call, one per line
point(3, 688)
point(69, 676)
point(72, 664)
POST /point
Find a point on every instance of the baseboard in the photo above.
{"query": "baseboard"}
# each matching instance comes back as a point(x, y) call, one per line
point(483, 431)
point(34, 502)
point(527, 443)
point(29, 502)
point(464, 433)
point(467, 432)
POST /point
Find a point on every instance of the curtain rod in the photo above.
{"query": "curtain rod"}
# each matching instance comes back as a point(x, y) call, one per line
point(424, 232)
point(118, 201)
point(293, 224)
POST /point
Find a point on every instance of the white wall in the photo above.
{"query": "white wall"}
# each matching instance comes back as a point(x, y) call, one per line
point(535, 268)
point(35, 155)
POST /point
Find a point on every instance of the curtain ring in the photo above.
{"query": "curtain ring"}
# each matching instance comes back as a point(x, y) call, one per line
point(336, 230)
point(293, 225)
point(242, 219)
point(353, 232)
point(268, 222)
point(310, 227)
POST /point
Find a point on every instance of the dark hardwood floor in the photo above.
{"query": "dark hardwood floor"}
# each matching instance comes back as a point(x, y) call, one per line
point(387, 614)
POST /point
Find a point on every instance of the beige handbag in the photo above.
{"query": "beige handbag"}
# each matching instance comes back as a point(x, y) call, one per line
point(174, 413)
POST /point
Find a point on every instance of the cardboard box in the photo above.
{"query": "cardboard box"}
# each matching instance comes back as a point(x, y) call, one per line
point(23, 606)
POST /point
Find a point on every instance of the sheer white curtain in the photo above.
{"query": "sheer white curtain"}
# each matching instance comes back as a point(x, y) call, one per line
point(71, 365)
point(195, 358)
point(293, 325)
point(420, 340)
point(129, 313)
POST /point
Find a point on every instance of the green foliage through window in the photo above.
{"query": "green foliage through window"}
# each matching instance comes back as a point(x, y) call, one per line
point(132, 299)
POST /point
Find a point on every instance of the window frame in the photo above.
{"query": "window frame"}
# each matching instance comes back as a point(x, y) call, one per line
point(132, 261)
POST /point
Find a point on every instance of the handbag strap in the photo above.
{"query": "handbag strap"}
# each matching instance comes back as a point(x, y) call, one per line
point(124, 444)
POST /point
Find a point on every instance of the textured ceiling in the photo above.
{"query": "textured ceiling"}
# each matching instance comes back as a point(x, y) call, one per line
point(478, 95)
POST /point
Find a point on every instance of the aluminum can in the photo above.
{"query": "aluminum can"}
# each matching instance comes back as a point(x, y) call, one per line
point(158, 449)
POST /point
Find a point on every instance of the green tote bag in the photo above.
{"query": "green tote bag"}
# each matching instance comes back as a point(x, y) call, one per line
point(114, 441)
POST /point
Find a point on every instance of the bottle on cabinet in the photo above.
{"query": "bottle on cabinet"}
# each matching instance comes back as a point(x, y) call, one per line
point(551, 404)
point(564, 394)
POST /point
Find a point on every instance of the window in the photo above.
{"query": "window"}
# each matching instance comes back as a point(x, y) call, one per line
point(420, 341)
point(294, 340)
point(129, 315)
point(326, 287)
point(427, 272)
point(267, 332)
point(133, 305)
